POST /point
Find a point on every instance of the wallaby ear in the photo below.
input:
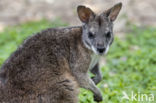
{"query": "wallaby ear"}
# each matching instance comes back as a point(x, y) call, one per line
point(113, 12)
point(85, 13)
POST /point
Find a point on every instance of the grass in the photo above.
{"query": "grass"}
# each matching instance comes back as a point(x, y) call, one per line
point(12, 37)
point(130, 67)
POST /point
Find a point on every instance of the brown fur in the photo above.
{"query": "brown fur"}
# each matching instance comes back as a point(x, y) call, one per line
point(40, 70)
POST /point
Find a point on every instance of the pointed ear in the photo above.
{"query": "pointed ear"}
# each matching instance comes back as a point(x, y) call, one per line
point(113, 12)
point(85, 13)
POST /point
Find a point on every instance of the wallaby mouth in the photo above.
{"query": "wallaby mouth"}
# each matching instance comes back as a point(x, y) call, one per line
point(100, 51)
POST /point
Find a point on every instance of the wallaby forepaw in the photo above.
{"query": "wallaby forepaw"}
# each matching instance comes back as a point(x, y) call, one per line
point(95, 80)
point(98, 98)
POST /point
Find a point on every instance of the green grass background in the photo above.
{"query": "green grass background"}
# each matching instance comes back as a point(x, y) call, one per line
point(131, 63)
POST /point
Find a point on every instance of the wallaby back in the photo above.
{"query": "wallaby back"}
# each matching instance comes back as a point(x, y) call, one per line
point(39, 70)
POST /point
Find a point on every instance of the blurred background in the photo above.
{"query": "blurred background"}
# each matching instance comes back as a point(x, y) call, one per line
point(130, 65)
point(140, 12)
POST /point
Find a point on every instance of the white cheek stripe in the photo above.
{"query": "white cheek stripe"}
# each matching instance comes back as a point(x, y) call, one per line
point(94, 50)
point(107, 48)
point(87, 46)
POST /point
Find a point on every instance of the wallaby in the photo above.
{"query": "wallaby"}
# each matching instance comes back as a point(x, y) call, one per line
point(51, 66)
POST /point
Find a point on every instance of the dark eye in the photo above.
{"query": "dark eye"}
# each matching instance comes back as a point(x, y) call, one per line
point(108, 34)
point(90, 35)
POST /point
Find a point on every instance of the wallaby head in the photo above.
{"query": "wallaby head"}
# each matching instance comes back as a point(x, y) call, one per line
point(98, 29)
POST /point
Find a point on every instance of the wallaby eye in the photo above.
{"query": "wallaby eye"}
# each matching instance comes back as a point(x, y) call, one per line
point(108, 34)
point(90, 35)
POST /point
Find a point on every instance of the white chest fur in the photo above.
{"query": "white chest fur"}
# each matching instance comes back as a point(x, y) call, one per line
point(94, 61)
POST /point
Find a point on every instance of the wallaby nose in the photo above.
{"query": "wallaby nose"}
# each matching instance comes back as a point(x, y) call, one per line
point(100, 43)
point(101, 50)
